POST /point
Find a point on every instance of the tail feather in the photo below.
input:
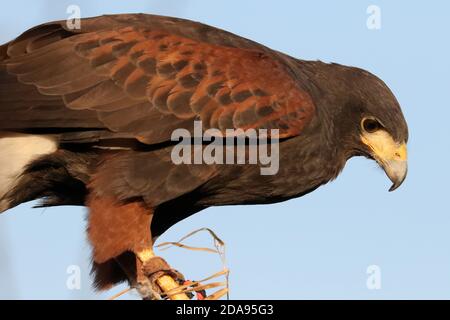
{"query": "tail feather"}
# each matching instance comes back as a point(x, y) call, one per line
point(58, 178)
point(4, 205)
point(17, 151)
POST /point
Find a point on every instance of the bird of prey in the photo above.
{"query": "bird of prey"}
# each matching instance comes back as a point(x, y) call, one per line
point(87, 116)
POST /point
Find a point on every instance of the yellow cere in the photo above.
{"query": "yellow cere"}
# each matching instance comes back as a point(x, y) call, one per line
point(384, 147)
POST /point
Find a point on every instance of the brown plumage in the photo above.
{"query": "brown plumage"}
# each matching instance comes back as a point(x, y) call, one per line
point(110, 95)
point(139, 69)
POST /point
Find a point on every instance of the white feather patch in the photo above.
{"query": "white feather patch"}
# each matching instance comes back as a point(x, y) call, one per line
point(18, 150)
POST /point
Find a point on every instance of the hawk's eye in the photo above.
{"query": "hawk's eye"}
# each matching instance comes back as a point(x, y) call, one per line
point(371, 125)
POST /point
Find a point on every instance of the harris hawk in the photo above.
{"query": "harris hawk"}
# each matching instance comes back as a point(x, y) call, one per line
point(87, 115)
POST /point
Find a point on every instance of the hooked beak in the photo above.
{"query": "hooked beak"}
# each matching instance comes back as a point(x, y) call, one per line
point(390, 155)
point(396, 170)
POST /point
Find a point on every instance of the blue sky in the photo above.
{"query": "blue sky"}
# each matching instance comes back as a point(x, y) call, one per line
point(315, 247)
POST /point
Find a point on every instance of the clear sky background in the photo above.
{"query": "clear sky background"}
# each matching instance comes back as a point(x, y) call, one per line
point(315, 247)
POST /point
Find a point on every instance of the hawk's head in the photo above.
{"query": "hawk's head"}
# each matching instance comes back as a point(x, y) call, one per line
point(365, 117)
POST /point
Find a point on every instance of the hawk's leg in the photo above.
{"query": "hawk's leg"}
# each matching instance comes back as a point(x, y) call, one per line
point(155, 277)
point(116, 228)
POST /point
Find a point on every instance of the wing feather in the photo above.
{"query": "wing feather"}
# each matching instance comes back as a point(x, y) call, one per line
point(147, 75)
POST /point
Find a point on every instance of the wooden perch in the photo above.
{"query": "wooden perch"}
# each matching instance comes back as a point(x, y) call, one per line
point(167, 283)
